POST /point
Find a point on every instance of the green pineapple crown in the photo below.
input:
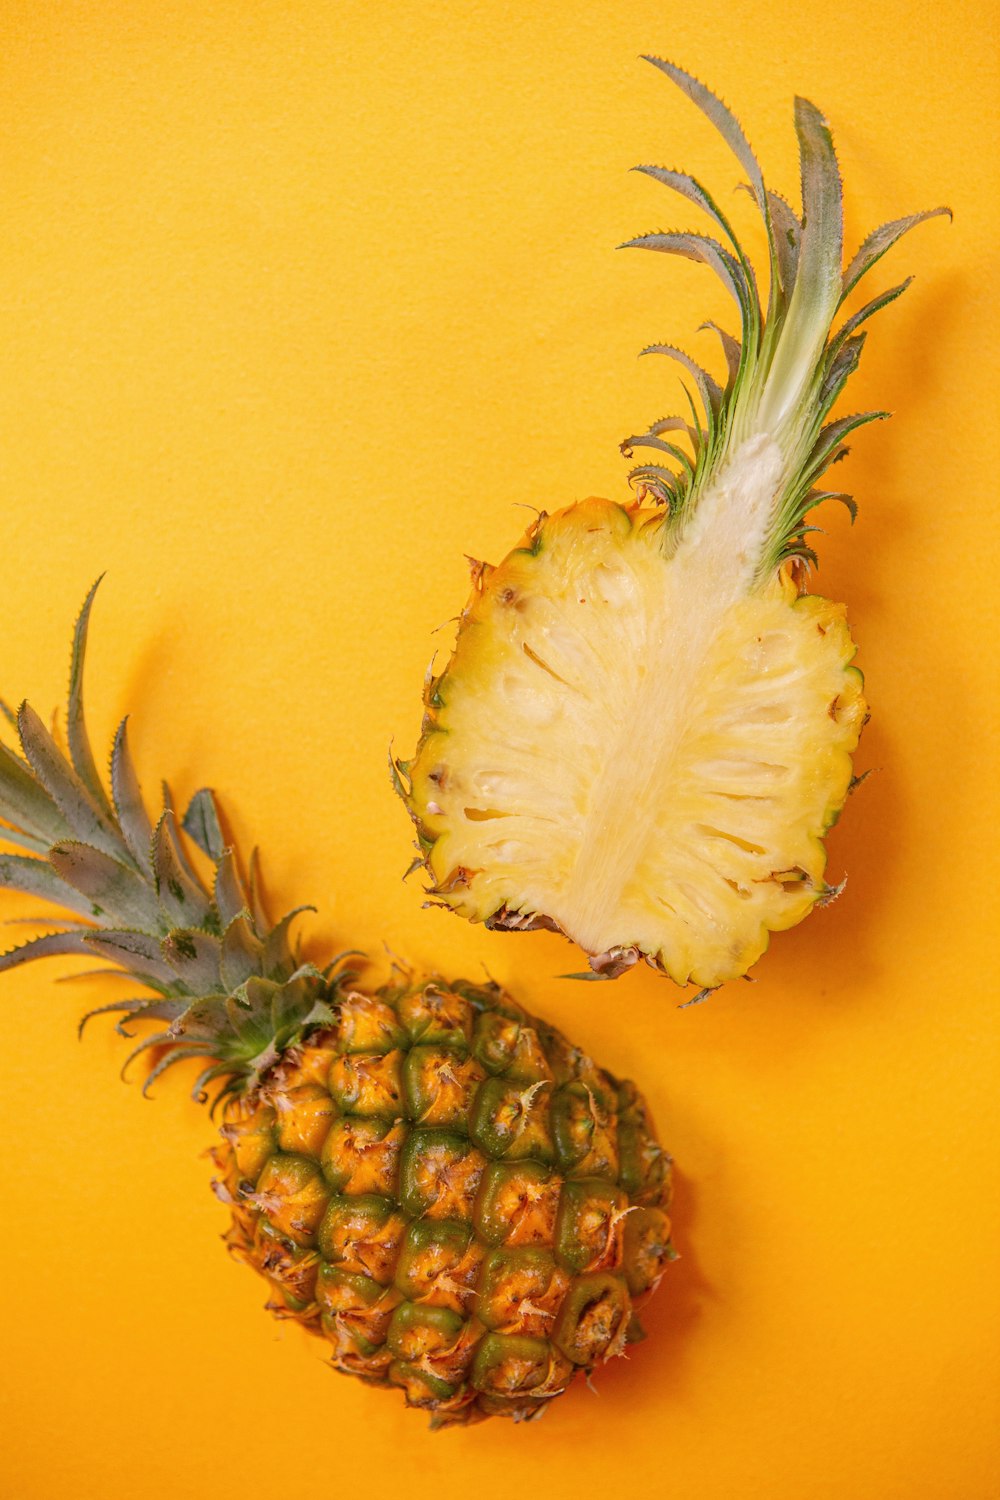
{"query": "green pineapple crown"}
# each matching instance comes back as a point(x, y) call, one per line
point(788, 368)
point(229, 984)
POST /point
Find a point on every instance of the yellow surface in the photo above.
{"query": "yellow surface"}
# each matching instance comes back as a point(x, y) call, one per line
point(298, 301)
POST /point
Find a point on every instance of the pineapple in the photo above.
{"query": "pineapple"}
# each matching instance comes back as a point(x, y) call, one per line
point(459, 1200)
point(647, 724)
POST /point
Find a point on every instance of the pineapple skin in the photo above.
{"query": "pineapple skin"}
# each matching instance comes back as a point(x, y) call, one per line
point(560, 686)
point(452, 1195)
point(457, 1198)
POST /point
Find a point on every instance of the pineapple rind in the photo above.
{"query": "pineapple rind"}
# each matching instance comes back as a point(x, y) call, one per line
point(554, 698)
point(479, 1295)
point(390, 1159)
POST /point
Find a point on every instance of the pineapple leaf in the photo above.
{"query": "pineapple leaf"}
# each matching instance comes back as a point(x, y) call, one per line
point(863, 314)
point(145, 1008)
point(694, 192)
point(258, 911)
point(129, 807)
point(242, 953)
point(139, 952)
point(709, 390)
point(195, 958)
point(731, 348)
point(879, 241)
point(51, 945)
point(787, 240)
point(113, 889)
point(709, 252)
point(76, 725)
point(722, 118)
point(36, 877)
point(183, 900)
point(25, 803)
point(230, 897)
point(86, 819)
point(278, 955)
point(201, 823)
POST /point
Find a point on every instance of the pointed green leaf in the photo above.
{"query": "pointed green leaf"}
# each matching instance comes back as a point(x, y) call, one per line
point(731, 348)
point(814, 300)
point(52, 945)
point(230, 897)
point(115, 890)
point(76, 725)
point(26, 804)
point(694, 192)
point(133, 818)
point(23, 840)
point(258, 910)
point(787, 239)
point(179, 1052)
point(145, 1008)
point(242, 954)
point(195, 957)
point(721, 117)
point(138, 952)
point(279, 959)
point(879, 241)
point(201, 823)
point(36, 877)
point(826, 448)
point(185, 902)
point(709, 389)
point(840, 368)
point(863, 314)
point(86, 819)
point(700, 247)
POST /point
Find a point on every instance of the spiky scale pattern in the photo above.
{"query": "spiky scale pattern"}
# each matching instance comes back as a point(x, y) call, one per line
point(459, 1200)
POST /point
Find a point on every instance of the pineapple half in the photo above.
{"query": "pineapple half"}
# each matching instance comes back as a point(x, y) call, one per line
point(458, 1199)
point(647, 724)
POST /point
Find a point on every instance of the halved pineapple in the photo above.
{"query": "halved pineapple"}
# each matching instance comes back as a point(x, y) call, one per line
point(647, 724)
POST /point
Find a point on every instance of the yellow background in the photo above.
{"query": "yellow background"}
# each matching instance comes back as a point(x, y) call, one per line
point(298, 301)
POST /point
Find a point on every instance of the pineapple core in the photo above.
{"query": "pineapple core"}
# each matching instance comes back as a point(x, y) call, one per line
point(639, 749)
point(646, 727)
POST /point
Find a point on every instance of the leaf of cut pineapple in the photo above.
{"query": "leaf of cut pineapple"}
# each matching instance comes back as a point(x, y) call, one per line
point(879, 241)
point(701, 247)
point(721, 117)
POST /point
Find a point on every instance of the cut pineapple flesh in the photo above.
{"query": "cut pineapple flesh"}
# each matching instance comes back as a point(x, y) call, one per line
point(646, 727)
point(646, 760)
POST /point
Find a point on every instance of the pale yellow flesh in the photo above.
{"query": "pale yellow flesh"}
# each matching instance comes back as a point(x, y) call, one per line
point(639, 749)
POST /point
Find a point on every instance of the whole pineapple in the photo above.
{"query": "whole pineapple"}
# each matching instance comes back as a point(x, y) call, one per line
point(457, 1198)
point(646, 727)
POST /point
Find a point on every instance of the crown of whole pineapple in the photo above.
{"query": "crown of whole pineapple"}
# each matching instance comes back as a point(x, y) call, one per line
point(646, 727)
point(226, 981)
point(461, 1202)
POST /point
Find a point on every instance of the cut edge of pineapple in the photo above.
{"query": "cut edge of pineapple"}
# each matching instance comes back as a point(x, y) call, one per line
point(620, 755)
